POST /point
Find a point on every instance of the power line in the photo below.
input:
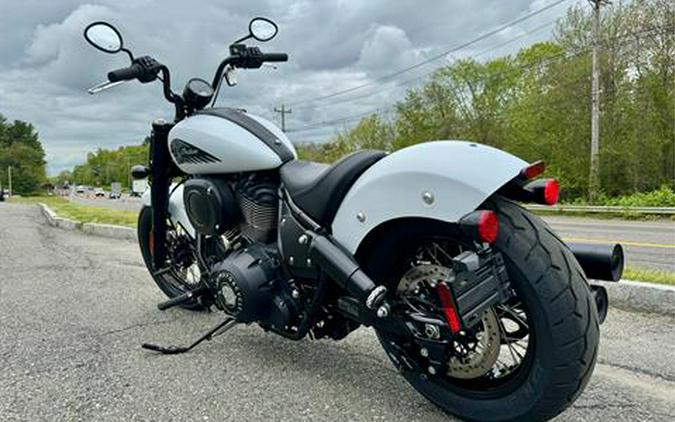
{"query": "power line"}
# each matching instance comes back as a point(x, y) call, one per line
point(438, 56)
point(390, 106)
point(424, 75)
point(546, 61)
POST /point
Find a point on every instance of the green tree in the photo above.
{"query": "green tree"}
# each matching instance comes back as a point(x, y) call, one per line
point(21, 150)
point(536, 103)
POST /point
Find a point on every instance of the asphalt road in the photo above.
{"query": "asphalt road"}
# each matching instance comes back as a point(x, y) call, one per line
point(647, 244)
point(75, 309)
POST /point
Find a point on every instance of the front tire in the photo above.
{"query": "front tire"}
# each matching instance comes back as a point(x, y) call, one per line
point(562, 317)
point(173, 282)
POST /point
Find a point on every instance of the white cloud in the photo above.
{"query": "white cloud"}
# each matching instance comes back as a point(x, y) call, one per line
point(46, 66)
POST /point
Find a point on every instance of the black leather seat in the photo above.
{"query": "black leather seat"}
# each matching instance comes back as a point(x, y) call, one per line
point(318, 189)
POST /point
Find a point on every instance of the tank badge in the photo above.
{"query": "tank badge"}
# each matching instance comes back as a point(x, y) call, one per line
point(185, 153)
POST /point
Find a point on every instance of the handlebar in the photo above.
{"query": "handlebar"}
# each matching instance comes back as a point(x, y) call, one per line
point(275, 57)
point(126, 73)
point(246, 58)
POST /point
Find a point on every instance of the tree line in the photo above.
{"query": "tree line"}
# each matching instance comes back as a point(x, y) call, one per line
point(105, 166)
point(536, 103)
point(21, 150)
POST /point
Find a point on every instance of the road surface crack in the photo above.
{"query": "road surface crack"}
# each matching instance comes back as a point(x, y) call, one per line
point(637, 370)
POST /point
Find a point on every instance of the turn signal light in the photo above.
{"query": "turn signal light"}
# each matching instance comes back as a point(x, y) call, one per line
point(533, 170)
point(481, 225)
point(542, 191)
point(551, 190)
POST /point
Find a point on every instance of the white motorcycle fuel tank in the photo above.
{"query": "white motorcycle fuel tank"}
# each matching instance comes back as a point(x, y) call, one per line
point(227, 140)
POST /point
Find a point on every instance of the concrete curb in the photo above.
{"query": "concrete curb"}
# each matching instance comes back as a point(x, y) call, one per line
point(102, 230)
point(57, 221)
point(626, 294)
point(641, 297)
point(108, 230)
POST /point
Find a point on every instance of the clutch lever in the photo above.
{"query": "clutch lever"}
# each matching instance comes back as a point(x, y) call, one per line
point(103, 86)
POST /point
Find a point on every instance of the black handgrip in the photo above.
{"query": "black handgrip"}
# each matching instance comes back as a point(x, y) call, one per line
point(125, 73)
point(275, 57)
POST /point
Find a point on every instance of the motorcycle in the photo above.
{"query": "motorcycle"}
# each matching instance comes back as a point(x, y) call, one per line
point(477, 302)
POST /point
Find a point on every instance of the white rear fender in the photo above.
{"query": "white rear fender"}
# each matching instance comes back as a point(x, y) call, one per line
point(177, 211)
point(442, 180)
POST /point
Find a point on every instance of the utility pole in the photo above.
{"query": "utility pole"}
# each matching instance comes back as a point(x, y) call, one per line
point(594, 177)
point(284, 111)
point(9, 179)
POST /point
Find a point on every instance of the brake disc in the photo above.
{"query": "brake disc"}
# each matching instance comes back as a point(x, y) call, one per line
point(473, 353)
point(479, 359)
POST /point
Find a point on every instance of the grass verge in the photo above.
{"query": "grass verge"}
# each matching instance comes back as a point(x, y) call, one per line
point(649, 275)
point(82, 213)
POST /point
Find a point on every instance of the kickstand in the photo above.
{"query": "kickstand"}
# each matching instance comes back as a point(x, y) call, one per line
point(174, 350)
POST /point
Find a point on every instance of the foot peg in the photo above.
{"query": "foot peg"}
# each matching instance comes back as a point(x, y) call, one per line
point(181, 299)
point(175, 350)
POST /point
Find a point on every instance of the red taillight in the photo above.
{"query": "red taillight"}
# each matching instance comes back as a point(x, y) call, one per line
point(449, 309)
point(488, 226)
point(480, 225)
point(551, 190)
point(533, 170)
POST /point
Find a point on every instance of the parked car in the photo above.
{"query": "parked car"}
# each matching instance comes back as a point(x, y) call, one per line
point(99, 193)
point(81, 189)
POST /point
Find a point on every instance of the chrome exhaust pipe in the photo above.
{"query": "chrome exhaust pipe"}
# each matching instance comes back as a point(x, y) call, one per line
point(600, 262)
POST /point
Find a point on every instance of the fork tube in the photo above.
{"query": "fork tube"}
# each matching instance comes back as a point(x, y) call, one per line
point(159, 194)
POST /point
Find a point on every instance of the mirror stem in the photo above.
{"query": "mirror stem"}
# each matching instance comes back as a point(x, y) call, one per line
point(243, 39)
point(131, 56)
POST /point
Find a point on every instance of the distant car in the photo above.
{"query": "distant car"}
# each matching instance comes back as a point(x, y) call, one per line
point(115, 195)
point(99, 193)
point(80, 189)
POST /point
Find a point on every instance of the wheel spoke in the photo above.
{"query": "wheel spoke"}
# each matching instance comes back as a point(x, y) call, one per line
point(514, 315)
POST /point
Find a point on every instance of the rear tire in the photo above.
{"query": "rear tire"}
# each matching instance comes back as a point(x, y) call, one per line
point(561, 313)
point(170, 283)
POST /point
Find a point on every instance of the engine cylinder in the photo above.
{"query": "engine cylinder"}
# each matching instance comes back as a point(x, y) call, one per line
point(257, 197)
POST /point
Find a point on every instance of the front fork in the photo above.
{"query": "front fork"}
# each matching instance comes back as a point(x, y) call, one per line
point(160, 174)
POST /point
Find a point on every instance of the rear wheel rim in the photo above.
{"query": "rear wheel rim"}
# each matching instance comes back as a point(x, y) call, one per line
point(516, 345)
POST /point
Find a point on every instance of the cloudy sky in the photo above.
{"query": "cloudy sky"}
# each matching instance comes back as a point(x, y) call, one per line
point(333, 45)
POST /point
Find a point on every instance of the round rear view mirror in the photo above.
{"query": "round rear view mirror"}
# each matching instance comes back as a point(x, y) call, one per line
point(262, 29)
point(104, 36)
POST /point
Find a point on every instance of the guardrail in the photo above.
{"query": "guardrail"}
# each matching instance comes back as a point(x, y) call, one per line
point(603, 209)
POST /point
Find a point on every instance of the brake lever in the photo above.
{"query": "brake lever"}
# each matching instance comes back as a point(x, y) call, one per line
point(230, 76)
point(103, 86)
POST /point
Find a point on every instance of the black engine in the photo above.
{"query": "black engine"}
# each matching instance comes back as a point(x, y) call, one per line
point(248, 204)
point(249, 285)
point(246, 278)
point(210, 205)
